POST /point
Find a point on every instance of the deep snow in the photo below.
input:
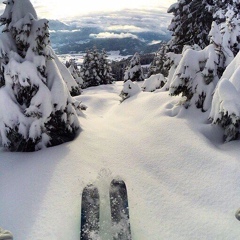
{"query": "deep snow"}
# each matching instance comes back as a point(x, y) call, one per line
point(183, 182)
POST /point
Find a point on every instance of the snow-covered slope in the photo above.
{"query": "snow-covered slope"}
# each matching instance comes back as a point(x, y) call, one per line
point(183, 183)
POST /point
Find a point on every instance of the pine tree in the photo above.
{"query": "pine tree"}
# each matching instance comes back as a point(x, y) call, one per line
point(198, 71)
point(105, 69)
point(85, 71)
point(134, 71)
point(190, 25)
point(226, 25)
point(225, 109)
point(37, 110)
point(158, 64)
point(195, 77)
point(95, 69)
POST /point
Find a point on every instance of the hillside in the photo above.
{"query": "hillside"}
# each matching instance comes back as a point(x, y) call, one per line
point(183, 183)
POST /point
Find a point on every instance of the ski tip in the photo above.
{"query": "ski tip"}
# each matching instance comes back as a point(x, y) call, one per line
point(90, 189)
point(117, 181)
point(237, 214)
point(90, 186)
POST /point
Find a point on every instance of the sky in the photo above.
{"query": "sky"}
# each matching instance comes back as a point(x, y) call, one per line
point(56, 9)
point(109, 15)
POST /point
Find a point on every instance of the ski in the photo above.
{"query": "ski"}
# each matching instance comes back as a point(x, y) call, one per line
point(90, 213)
point(119, 210)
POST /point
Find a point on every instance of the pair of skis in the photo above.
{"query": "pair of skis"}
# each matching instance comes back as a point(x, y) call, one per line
point(90, 212)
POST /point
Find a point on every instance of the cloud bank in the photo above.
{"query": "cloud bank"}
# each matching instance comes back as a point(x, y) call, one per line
point(128, 20)
point(113, 35)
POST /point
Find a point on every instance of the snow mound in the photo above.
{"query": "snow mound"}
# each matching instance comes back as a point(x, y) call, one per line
point(153, 83)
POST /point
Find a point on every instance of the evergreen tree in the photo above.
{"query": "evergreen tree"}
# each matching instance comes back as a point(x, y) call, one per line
point(134, 71)
point(37, 110)
point(198, 71)
point(105, 69)
point(195, 77)
point(225, 110)
point(95, 69)
point(158, 64)
point(226, 25)
point(190, 26)
point(85, 71)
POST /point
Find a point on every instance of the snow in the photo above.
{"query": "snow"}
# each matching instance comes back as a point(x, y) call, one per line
point(183, 183)
point(66, 75)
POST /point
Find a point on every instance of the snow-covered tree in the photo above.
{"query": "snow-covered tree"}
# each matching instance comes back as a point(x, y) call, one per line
point(190, 24)
point(86, 69)
point(158, 64)
point(37, 110)
point(134, 71)
point(225, 33)
point(129, 89)
point(199, 71)
point(225, 109)
point(195, 77)
point(95, 69)
point(105, 69)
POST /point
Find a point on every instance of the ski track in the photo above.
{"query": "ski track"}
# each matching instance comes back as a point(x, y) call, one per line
point(179, 186)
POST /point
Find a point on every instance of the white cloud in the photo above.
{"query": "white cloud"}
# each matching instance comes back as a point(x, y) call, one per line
point(113, 35)
point(128, 20)
point(155, 42)
point(125, 28)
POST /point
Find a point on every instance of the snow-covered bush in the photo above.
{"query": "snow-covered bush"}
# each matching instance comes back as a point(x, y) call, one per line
point(129, 89)
point(153, 83)
point(37, 110)
point(225, 109)
point(96, 69)
point(134, 71)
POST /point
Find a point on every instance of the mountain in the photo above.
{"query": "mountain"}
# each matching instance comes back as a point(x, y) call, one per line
point(69, 38)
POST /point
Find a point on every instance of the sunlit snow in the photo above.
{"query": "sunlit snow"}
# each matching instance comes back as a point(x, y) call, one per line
point(183, 182)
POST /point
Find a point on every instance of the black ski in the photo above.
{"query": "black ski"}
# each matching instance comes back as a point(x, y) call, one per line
point(90, 213)
point(119, 210)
